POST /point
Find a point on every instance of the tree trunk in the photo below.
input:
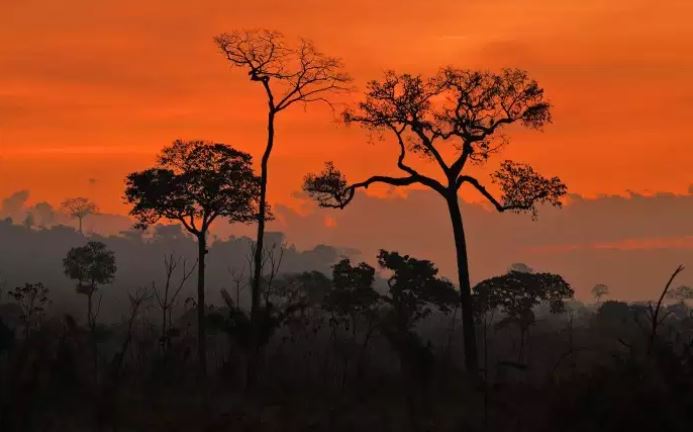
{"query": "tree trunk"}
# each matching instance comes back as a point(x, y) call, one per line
point(90, 318)
point(91, 323)
point(259, 242)
point(468, 328)
point(259, 245)
point(164, 330)
point(201, 333)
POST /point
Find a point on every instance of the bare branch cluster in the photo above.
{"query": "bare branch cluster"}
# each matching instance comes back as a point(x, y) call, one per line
point(302, 72)
point(79, 207)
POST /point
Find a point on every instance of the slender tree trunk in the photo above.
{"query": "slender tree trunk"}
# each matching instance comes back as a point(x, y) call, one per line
point(90, 318)
point(362, 352)
point(468, 328)
point(164, 331)
point(91, 323)
point(80, 225)
point(201, 333)
point(260, 239)
point(259, 245)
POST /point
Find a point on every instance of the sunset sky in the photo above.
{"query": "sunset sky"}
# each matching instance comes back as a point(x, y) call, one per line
point(90, 91)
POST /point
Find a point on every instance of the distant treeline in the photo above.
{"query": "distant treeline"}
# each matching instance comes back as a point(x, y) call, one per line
point(35, 255)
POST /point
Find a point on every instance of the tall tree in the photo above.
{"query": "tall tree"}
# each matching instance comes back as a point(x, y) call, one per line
point(288, 75)
point(456, 119)
point(79, 208)
point(194, 183)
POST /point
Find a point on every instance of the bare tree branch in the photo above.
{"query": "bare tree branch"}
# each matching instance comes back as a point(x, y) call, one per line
point(655, 314)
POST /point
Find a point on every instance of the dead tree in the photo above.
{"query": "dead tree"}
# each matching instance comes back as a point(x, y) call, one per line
point(32, 300)
point(288, 75)
point(167, 297)
point(655, 319)
point(137, 298)
point(108, 402)
point(239, 279)
point(273, 257)
point(79, 208)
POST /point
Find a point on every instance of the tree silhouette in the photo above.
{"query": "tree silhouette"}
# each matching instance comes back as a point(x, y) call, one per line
point(414, 288)
point(288, 75)
point(79, 208)
point(32, 299)
point(352, 293)
point(166, 297)
point(516, 293)
point(288, 303)
point(600, 290)
point(654, 312)
point(414, 291)
point(194, 183)
point(90, 265)
point(455, 119)
point(293, 296)
point(350, 301)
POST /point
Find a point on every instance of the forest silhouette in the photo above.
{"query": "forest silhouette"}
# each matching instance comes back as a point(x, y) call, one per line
point(253, 334)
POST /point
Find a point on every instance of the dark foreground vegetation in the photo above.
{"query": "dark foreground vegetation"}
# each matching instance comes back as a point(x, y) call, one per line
point(362, 348)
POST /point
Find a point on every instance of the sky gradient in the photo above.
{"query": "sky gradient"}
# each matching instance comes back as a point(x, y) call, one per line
point(90, 91)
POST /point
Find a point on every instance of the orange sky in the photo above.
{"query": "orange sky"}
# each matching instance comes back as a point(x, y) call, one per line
point(91, 90)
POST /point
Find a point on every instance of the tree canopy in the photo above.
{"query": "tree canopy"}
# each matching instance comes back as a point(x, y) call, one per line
point(454, 118)
point(79, 208)
point(352, 291)
point(90, 265)
point(516, 293)
point(194, 183)
point(414, 288)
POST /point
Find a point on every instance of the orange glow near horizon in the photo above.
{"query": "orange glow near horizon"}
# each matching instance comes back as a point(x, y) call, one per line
point(90, 91)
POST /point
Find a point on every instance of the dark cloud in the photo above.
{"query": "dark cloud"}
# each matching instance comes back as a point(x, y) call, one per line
point(13, 205)
point(629, 242)
point(43, 213)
